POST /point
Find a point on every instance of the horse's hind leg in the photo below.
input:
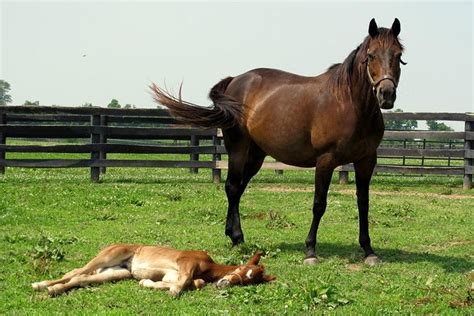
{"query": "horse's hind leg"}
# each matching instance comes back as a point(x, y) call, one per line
point(47, 283)
point(245, 159)
point(363, 172)
point(111, 256)
point(113, 274)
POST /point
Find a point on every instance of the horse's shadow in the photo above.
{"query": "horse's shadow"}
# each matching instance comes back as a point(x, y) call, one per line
point(388, 255)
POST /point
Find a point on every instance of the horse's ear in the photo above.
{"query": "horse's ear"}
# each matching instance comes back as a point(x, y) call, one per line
point(256, 258)
point(268, 278)
point(373, 28)
point(396, 27)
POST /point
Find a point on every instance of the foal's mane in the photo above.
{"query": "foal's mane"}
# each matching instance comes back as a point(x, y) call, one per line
point(348, 75)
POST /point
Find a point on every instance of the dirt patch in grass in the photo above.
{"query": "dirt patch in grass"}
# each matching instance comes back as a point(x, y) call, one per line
point(447, 245)
point(381, 193)
point(354, 267)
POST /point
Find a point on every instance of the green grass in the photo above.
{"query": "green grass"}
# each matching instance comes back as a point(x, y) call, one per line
point(55, 220)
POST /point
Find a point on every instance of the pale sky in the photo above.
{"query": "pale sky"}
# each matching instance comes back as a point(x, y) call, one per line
point(72, 52)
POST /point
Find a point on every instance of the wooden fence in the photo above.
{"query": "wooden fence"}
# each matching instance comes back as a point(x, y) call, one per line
point(105, 131)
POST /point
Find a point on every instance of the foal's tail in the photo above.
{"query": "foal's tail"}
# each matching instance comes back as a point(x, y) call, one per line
point(225, 113)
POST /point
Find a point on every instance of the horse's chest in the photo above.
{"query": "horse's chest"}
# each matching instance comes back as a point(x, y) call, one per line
point(359, 147)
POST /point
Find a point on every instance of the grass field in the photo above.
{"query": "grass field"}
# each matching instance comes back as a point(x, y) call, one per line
point(55, 220)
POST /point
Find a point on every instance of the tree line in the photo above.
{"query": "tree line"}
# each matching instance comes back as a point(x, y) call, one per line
point(6, 98)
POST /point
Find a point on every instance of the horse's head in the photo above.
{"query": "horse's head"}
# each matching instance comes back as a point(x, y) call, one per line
point(383, 59)
point(251, 273)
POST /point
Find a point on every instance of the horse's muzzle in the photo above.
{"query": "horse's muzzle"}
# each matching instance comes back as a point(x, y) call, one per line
point(222, 283)
point(386, 94)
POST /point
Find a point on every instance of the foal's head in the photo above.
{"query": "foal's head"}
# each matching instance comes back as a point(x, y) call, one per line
point(251, 273)
point(383, 59)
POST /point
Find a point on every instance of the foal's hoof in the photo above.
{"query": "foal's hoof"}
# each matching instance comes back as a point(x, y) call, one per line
point(372, 260)
point(55, 290)
point(38, 286)
point(310, 261)
point(146, 283)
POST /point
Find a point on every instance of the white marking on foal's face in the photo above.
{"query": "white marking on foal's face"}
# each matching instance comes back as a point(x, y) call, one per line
point(249, 274)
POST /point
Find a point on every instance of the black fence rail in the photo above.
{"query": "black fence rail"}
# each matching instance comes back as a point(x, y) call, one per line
point(152, 131)
point(104, 131)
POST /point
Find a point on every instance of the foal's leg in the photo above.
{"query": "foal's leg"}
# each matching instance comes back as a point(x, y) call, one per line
point(186, 270)
point(324, 169)
point(363, 172)
point(161, 285)
point(111, 256)
point(176, 282)
point(83, 280)
point(245, 159)
point(45, 284)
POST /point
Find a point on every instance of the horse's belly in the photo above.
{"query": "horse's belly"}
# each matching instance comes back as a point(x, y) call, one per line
point(154, 274)
point(291, 151)
point(153, 270)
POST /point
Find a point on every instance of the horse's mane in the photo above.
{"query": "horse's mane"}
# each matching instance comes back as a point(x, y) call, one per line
point(341, 75)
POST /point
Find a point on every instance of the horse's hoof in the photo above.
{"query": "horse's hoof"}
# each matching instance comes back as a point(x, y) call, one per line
point(372, 260)
point(237, 241)
point(310, 261)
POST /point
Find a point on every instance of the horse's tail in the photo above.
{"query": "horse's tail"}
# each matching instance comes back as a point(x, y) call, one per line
point(225, 113)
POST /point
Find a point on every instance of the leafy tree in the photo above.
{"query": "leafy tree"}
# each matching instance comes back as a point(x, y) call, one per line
point(5, 98)
point(114, 104)
point(31, 102)
point(435, 126)
point(129, 106)
point(401, 124)
point(87, 105)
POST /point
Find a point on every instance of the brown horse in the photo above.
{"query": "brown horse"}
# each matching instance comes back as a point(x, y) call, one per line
point(323, 121)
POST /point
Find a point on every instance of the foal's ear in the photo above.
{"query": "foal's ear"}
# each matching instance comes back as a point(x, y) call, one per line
point(396, 27)
point(256, 258)
point(373, 28)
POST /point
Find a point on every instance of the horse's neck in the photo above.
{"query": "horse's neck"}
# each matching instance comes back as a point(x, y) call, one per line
point(362, 95)
point(217, 271)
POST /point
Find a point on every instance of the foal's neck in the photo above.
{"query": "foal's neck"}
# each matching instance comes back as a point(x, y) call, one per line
point(217, 271)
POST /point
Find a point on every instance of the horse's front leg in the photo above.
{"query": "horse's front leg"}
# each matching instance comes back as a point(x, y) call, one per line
point(363, 172)
point(324, 169)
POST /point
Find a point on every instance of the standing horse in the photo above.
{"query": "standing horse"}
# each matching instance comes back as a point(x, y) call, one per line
point(323, 122)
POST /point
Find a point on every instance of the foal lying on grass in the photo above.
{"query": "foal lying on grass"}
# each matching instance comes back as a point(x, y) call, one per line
point(158, 268)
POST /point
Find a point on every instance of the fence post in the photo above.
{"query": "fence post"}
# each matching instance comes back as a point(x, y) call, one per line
point(468, 146)
point(423, 156)
point(3, 140)
point(103, 140)
point(343, 176)
point(216, 173)
point(404, 147)
point(450, 143)
point(194, 156)
point(95, 139)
